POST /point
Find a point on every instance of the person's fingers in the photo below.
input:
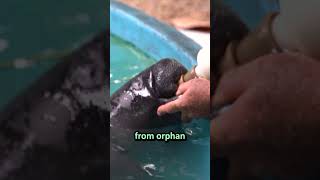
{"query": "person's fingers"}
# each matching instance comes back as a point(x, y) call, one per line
point(233, 83)
point(170, 107)
point(183, 87)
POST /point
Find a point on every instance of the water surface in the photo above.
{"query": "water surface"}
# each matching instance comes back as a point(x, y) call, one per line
point(33, 28)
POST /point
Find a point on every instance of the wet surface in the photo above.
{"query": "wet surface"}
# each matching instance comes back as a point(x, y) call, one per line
point(57, 128)
point(35, 37)
point(135, 104)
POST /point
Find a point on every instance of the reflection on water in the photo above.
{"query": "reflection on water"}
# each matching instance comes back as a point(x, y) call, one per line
point(187, 160)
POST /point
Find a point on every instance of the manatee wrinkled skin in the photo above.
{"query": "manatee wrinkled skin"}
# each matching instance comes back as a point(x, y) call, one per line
point(134, 105)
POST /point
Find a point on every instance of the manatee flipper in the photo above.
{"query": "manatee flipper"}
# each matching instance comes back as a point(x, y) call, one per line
point(134, 105)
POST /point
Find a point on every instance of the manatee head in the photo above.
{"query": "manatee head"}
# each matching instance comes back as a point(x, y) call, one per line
point(134, 105)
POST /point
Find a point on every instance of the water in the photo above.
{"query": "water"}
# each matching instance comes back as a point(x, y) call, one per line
point(188, 160)
point(38, 27)
point(125, 62)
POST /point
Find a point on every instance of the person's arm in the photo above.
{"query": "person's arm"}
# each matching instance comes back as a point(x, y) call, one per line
point(195, 99)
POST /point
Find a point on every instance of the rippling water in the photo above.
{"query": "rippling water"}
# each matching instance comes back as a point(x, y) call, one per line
point(187, 160)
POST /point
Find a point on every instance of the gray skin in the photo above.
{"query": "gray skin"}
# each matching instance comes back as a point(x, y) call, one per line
point(134, 105)
point(57, 128)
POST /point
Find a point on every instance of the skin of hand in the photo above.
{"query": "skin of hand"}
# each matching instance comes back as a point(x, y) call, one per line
point(193, 101)
point(273, 126)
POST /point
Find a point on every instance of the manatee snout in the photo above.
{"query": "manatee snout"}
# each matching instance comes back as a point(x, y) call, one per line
point(135, 104)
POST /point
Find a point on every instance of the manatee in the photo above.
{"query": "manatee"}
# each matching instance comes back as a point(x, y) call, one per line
point(58, 128)
point(134, 105)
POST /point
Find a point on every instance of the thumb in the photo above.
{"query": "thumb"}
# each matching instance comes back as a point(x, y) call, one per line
point(231, 85)
point(183, 88)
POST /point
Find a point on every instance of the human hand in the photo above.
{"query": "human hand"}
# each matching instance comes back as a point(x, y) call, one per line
point(193, 100)
point(273, 126)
